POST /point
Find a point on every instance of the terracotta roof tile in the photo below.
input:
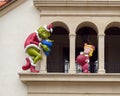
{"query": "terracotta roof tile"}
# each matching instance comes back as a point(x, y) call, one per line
point(2, 3)
point(5, 2)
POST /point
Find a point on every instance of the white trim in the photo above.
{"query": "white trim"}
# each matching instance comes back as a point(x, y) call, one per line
point(31, 61)
point(32, 45)
point(38, 37)
point(45, 26)
point(86, 55)
point(33, 64)
point(51, 30)
point(81, 53)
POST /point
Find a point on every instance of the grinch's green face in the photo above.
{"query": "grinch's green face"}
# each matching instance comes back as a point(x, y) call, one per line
point(43, 33)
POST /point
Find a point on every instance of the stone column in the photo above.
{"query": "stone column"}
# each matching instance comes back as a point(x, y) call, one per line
point(101, 52)
point(43, 64)
point(72, 53)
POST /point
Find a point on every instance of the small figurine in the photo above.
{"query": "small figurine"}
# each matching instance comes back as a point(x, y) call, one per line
point(34, 44)
point(83, 58)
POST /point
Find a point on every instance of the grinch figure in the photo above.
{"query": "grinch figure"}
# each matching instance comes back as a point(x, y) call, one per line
point(36, 43)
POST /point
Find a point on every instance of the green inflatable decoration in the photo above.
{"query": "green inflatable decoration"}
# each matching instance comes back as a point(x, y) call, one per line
point(35, 43)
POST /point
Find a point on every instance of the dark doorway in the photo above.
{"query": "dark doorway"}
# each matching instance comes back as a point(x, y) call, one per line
point(60, 50)
point(112, 47)
point(87, 35)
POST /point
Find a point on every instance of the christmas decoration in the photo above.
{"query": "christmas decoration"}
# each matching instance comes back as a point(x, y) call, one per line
point(83, 59)
point(36, 43)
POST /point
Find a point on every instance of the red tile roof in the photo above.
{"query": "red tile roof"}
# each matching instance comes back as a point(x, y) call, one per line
point(2, 2)
point(5, 2)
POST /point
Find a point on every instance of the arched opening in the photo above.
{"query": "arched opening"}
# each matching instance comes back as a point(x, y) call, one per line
point(112, 47)
point(60, 50)
point(88, 35)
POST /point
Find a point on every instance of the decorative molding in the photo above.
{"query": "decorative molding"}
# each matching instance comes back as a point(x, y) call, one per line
point(72, 35)
point(63, 77)
point(101, 34)
point(8, 7)
point(76, 3)
point(57, 84)
point(78, 7)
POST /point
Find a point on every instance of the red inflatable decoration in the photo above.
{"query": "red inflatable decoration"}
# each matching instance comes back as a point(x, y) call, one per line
point(83, 58)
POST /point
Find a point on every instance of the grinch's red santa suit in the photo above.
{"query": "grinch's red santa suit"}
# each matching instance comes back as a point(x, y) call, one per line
point(33, 40)
point(32, 47)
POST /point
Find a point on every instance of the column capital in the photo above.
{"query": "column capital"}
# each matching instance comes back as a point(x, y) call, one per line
point(101, 34)
point(72, 35)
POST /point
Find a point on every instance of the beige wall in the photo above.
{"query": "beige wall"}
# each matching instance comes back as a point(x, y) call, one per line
point(75, 14)
point(14, 27)
point(98, 15)
point(98, 23)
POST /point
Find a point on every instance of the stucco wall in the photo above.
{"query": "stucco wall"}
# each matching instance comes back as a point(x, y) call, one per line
point(14, 27)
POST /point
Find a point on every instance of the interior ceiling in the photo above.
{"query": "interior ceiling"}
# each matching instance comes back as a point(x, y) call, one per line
point(113, 31)
point(59, 30)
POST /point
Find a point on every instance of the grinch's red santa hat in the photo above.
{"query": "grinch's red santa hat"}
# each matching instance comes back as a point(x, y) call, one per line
point(49, 28)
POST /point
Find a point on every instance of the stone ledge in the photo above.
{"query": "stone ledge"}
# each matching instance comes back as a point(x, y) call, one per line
point(61, 77)
point(78, 7)
point(68, 3)
point(60, 84)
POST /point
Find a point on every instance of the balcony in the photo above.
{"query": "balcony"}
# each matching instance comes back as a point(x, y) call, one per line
point(61, 84)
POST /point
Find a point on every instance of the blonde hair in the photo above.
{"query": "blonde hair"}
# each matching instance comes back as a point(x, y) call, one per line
point(92, 48)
